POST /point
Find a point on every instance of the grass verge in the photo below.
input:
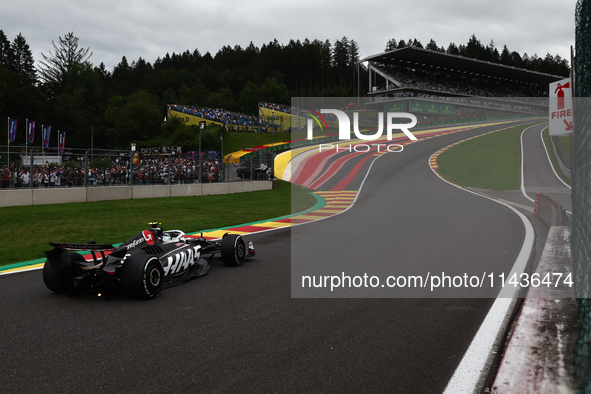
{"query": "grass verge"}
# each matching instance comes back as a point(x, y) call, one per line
point(492, 161)
point(27, 230)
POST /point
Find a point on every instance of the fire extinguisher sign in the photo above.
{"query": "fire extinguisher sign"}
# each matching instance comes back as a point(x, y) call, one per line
point(561, 108)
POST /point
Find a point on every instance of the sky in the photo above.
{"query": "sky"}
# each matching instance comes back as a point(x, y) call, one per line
point(149, 29)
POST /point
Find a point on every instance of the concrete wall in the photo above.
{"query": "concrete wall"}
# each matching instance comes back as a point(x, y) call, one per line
point(548, 210)
point(108, 193)
point(10, 198)
point(58, 196)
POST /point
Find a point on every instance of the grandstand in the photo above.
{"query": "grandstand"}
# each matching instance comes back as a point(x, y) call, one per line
point(233, 121)
point(437, 77)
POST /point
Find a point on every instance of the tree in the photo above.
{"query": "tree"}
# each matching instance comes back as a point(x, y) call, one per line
point(452, 49)
point(65, 57)
point(505, 56)
point(76, 109)
point(492, 54)
point(341, 61)
point(416, 43)
point(140, 118)
point(5, 50)
point(475, 49)
point(19, 94)
point(21, 60)
point(249, 98)
point(121, 77)
point(432, 45)
point(222, 98)
point(274, 92)
point(391, 45)
point(353, 54)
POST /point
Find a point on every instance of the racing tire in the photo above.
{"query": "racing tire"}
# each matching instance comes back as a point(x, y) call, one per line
point(142, 277)
point(55, 283)
point(233, 250)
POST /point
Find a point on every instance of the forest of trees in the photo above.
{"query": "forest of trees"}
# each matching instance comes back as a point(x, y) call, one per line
point(67, 91)
point(554, 65)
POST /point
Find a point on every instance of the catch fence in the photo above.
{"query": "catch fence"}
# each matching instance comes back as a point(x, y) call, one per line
point(32, 168)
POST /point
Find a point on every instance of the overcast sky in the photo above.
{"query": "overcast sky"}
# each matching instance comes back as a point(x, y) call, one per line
point(150, 29)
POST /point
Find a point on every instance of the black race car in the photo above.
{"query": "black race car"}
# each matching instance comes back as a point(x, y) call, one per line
point(141, 266)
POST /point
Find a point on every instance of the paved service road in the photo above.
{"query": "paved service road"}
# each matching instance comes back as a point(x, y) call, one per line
point(538, 174)
point(239, 330)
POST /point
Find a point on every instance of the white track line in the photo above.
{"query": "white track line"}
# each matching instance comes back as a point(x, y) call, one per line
point(546, 148)
point(471, 373)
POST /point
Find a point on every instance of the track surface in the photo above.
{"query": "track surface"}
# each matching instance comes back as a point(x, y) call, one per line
point(537, 170)
point(239, 330)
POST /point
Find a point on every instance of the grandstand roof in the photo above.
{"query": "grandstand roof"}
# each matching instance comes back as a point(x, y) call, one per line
point(428, 59)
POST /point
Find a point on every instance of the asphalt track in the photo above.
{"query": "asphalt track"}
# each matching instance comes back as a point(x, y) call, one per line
point(538, 171)
point(240, 330)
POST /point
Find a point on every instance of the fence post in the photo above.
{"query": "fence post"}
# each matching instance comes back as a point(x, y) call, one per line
point(169, 169)
point(86, 168)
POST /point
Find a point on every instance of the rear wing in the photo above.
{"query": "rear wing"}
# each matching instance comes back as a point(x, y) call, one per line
point(87, 246)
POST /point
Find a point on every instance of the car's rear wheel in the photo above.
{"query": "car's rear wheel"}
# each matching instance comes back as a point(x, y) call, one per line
point(142, 276)
point(233, 250)
point(59, 284)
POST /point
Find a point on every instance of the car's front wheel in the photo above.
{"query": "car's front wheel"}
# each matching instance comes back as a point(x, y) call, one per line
point(233, 250)
point(142, 276)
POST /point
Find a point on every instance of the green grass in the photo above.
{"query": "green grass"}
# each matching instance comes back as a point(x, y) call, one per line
point(27, 230)
point(492, 161)
point(565, 142)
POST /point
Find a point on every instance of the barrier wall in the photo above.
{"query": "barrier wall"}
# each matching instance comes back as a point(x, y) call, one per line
point(9, 198)
point(548, 210)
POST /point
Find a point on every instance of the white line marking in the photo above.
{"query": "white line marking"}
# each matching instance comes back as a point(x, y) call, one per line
point(550, 161)
point(470, 375)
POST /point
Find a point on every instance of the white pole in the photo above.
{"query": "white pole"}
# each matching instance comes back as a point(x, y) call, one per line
point(8, 151)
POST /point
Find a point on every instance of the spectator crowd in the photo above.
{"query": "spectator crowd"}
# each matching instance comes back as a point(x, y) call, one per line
point(451, 83)
point(149, 171)
point(276, 107)
point(217, 115)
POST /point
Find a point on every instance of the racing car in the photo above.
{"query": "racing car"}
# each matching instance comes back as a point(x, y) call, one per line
point(142, 266)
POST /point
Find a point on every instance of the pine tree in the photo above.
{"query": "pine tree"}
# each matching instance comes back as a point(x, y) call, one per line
point(22, 61)
point(66, 56)
point(5, 50)
point(391, 45)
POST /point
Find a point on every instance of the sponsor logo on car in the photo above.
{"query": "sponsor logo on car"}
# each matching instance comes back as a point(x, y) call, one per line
point(149, 237)
point(182, 260)
point(135, 243)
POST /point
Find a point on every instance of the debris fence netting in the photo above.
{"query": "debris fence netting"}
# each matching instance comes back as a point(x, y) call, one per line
point(581, 193)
